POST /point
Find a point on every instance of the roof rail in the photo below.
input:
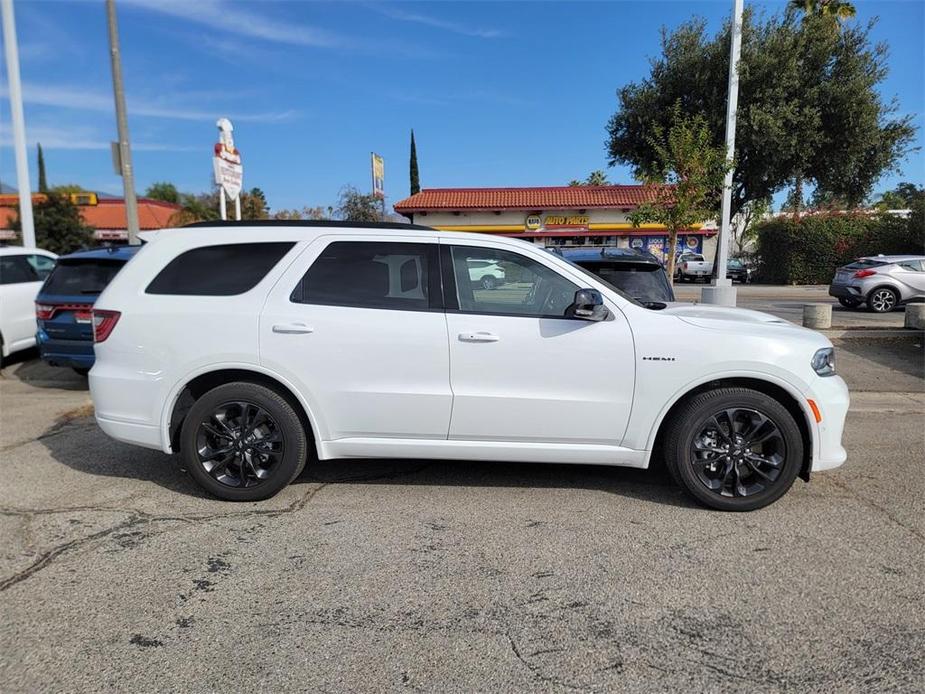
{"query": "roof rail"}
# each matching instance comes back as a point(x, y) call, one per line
point(306, 223)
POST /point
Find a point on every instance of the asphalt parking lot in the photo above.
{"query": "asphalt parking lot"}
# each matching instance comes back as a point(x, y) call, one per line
point(787, 303)
point(117, 574)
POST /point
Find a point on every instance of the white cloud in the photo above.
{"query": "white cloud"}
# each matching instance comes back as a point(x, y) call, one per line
point(437, 23)
point(230, 17)
point(84, 100)
point(79, 138)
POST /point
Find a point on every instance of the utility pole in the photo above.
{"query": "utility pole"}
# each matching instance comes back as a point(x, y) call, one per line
point(19, 124)
point(124, 149)
point(721, 290)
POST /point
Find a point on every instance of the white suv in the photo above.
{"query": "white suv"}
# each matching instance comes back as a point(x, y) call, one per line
point(252, 348)
point(22, 271)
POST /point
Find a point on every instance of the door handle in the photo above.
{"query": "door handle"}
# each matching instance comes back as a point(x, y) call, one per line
point(292, 329)
point(478, 337)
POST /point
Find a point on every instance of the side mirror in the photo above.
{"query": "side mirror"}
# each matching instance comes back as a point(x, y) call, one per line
point(588, 305)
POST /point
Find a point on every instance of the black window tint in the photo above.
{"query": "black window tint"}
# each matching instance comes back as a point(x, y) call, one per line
point(15, 269)
point(218, 270)
point(81, 277)
point(368, 274)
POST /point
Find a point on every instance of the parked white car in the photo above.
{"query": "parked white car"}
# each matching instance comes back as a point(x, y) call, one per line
point(22, 271)
point(253, 348)
point(690, 267)
point(486, 273)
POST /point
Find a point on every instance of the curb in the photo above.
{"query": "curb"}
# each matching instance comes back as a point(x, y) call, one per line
point(872, 333)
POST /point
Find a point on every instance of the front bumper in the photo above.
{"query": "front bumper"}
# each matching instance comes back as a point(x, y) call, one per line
point(830, 393)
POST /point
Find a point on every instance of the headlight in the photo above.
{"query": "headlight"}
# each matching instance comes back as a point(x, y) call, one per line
point(824, 361)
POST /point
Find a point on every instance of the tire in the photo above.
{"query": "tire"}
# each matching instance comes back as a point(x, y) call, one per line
point(81, 370)
point(688, 450)
point(489, 282)
point(276, 433)
point(848, 303)
point(882, 300)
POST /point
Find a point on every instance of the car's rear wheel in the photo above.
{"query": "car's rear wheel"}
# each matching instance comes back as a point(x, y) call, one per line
point(849, 303)
point(243, 442)
point(882, 300)
point(489, 282)
point(734, 449)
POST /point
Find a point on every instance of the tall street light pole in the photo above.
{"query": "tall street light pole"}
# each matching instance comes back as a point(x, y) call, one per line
point(19, 124)
point(124, 149)
point(721, 291)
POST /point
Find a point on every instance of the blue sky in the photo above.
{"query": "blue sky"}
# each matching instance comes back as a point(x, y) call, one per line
point(499, 94)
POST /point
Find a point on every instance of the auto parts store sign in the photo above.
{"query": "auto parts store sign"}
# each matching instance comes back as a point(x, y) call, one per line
point(535, 222)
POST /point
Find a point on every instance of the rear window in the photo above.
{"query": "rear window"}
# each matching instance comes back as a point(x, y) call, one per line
point(81, 277)
point(15, 269)
point(864, 263)
point(218, 270)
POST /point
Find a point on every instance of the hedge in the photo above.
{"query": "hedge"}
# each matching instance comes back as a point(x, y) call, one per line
point(807, 250)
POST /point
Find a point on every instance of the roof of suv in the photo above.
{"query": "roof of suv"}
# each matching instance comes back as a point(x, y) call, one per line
point(606, 254)
point(320, 223)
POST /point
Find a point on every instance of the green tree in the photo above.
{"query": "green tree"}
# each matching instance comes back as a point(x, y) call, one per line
point(354, 206)
point(164, 191)
point(202, 207)
point(595, 178)
point(833, 9)
point(43, 181)
point(59, 227)
point(809, 105)
point(684, 180)
point(68, 189)
point(254, 205)
point(902, 197)
point(743, 224)
point(413, 167)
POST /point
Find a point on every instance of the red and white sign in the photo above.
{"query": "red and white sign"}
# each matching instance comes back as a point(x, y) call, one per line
point(229, 172)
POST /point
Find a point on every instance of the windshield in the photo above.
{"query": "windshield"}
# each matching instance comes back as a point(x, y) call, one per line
point(81, 277)
point(733, 262)
point(597, 277)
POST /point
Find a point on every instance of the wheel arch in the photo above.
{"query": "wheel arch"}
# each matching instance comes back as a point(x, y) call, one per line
point(885, 285)
point(196, 386)
point(786, 397)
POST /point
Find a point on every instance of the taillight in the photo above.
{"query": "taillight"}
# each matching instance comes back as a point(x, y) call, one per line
point(48, 311)
point(103, 323)
point(860, 274)
point(44, 311)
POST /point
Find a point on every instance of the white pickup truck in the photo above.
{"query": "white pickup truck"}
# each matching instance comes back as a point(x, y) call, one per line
point(692, 267)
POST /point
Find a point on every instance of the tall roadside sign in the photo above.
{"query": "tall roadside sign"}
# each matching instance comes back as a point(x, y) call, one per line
point(378, 169)
point(19, 124)
point(227, 167)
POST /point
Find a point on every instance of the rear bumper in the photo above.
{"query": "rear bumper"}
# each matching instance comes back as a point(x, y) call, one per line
point(74, 353)
point(845, 291)
point(131, 432)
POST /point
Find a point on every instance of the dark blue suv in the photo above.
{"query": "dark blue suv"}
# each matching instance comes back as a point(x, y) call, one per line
point(63, 305)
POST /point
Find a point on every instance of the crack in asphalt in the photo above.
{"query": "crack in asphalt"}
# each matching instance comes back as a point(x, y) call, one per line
point(137, 518)
point(539, 674)
point(838, 482)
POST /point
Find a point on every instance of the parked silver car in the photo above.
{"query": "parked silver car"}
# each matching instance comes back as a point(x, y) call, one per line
point(883, 282)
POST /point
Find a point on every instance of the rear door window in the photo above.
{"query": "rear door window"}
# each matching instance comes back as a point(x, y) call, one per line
point(15, 269)
point(42, 264)
point(224, 270)
point(81, 277)
point(372, 274)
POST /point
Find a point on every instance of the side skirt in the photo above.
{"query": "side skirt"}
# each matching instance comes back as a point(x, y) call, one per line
point(503, 451)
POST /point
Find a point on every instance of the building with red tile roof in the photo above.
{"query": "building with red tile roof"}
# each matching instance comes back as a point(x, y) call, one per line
point(553, 216)
point(106, 216)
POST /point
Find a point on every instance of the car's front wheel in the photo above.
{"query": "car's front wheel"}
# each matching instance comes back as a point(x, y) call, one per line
point(882, 300)
point(734, 449)
point(243, 442)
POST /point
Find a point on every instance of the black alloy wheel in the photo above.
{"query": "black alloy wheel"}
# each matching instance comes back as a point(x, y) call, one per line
point(734, 449)
point(243, 442)
point(239, 444)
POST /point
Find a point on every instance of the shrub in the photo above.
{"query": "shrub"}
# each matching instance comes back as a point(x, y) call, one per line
point(807, 250)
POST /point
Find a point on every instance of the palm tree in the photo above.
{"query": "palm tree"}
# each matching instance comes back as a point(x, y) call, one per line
point(827, 8)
